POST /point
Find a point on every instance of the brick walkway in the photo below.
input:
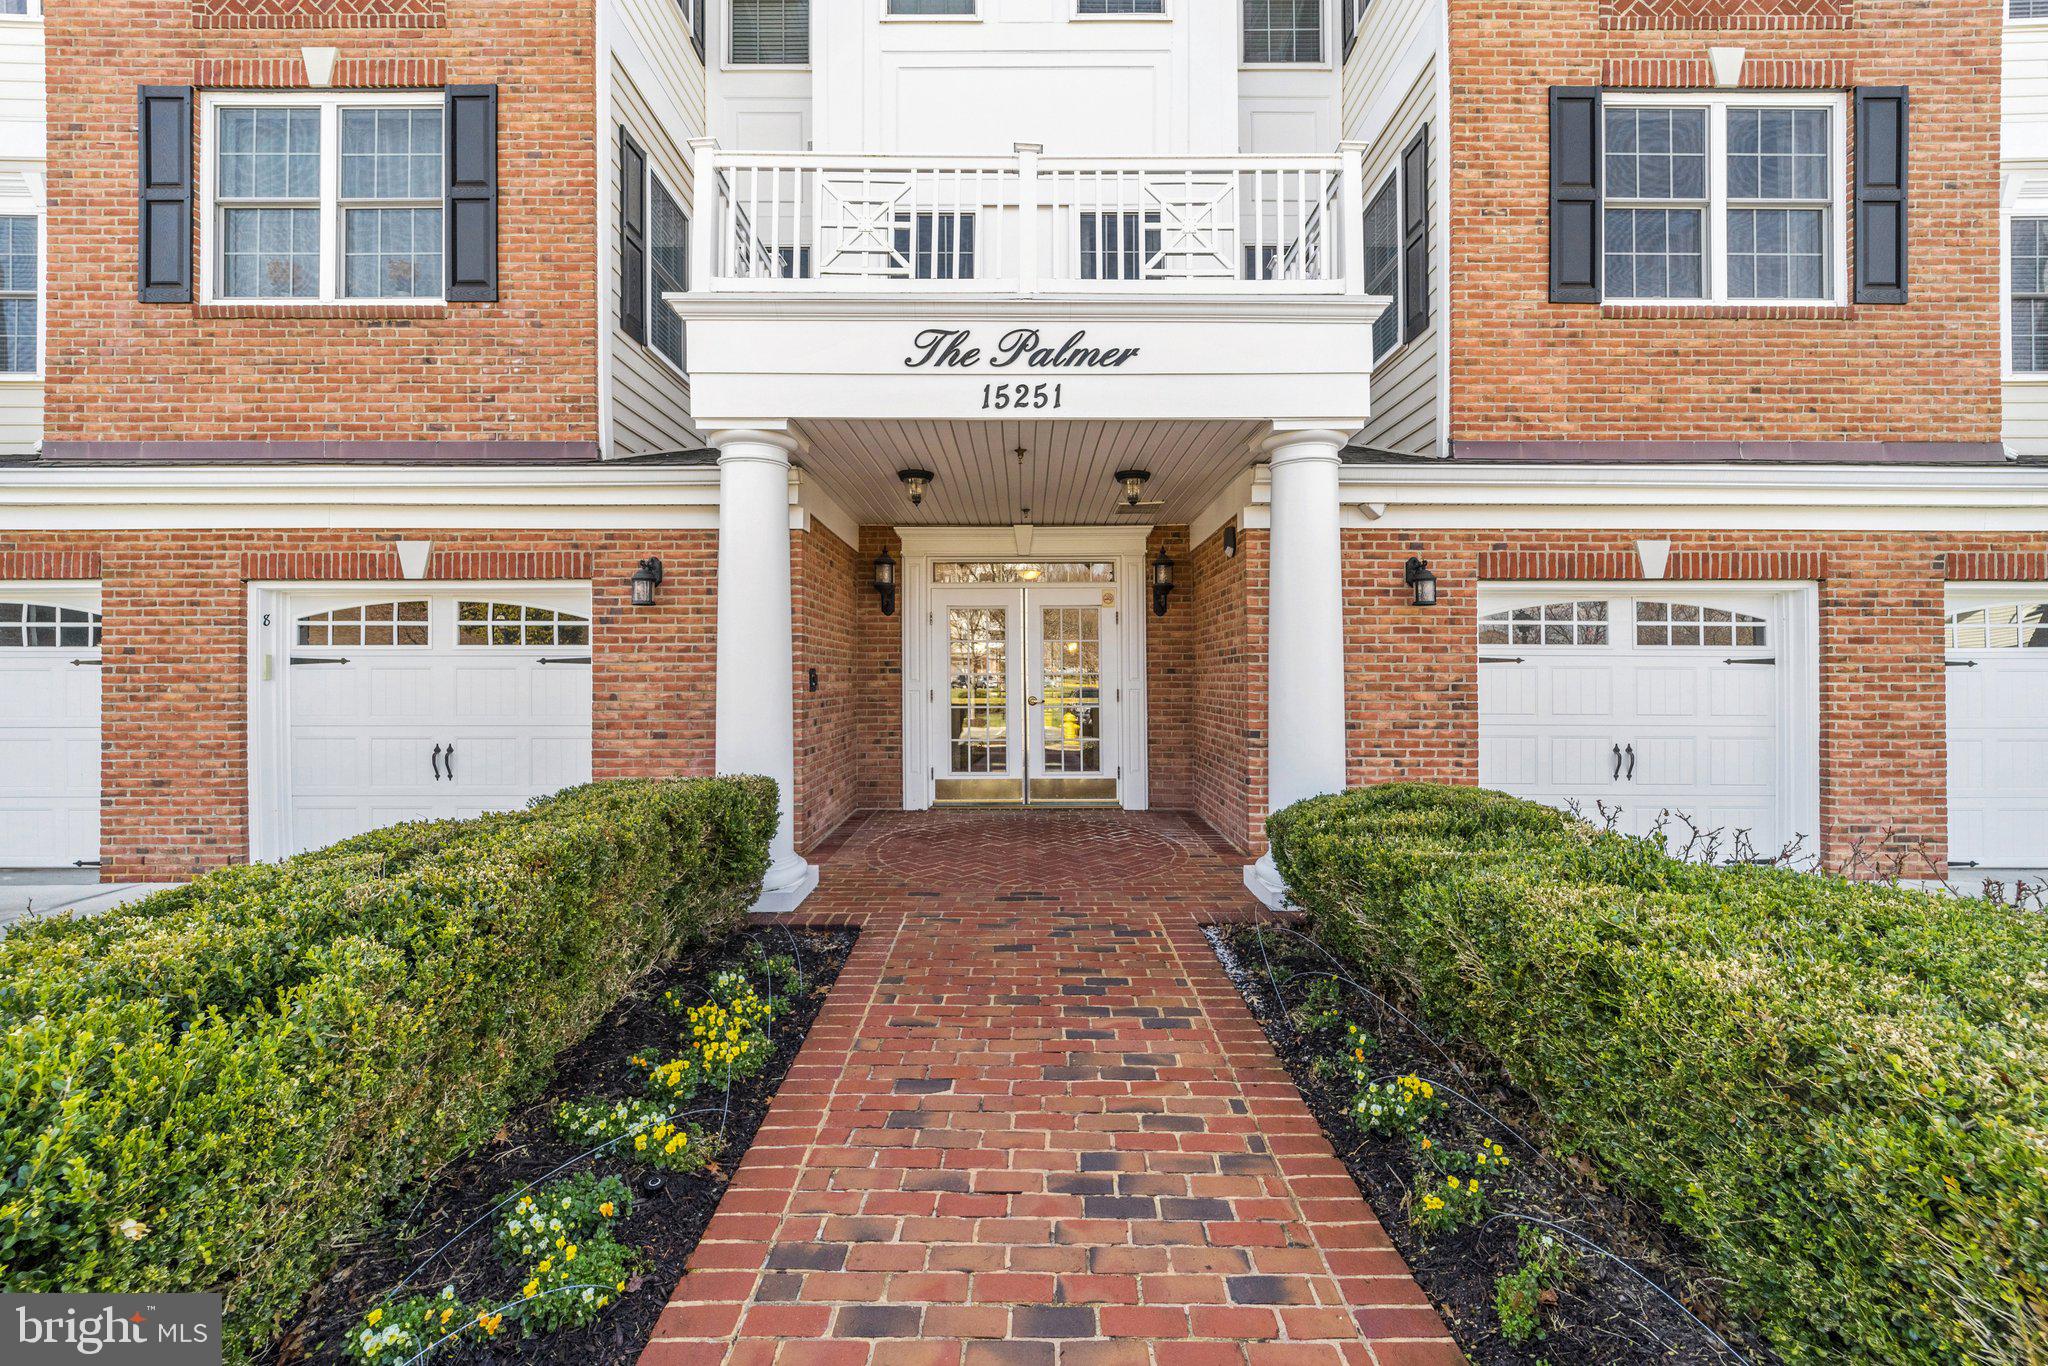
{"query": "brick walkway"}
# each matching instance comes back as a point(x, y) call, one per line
point(1035, 1123)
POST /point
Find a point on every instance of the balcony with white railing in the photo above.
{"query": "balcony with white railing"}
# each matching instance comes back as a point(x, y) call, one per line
point(1027, 224)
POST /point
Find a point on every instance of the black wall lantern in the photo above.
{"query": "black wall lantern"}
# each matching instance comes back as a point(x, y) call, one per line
point(885, 583)
point(1418, 577)
point(1230, 540)
point(1162, 582)
point(645, 580)
point(917, 481)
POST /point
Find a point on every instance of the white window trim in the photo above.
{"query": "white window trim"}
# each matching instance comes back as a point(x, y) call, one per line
point(42, 291)
point(1165, 15)
point(726, 61)
point(330, 103)
point(2025, 195)
point(889, 16)
point(654, 299)
point(1332, 54)
point(1376, 188)
point(1716, 207)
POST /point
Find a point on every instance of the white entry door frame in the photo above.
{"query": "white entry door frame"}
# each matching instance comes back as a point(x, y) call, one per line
point(359, 733)
point(1555, 705)
point(1125, 741)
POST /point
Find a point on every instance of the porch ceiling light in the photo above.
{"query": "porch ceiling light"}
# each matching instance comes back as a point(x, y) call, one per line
point(1162, 582)
point(1418, 577)
point(885, 583)
point(917, 481)
point(645, 580)
point(1134, 482)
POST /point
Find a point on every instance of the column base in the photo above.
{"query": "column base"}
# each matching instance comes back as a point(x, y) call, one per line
point(1265, 883)
point(786, 886)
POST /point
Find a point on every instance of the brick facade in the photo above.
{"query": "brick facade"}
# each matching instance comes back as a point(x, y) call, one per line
point(1523, 368)
point(1227, 599)
point(1172, 667)
point(826, 583)
point(174, 713)
point(524, 368)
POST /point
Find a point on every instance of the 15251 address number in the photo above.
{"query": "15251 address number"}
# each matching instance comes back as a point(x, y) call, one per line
point(1003, 397)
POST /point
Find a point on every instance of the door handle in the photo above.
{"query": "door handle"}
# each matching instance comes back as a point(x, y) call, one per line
point(449, 760)
point(1631, 762)
point(1031, 701)
point(1615, 777)
point(435, 760)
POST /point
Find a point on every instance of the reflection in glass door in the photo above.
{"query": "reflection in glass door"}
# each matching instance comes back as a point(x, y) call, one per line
point(1069, 706)
point(978, 763)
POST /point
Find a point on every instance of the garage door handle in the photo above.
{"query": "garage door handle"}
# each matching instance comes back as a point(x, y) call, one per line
point(1766, 660)
point(435, 760)
point(1615, 777)
point(565, 659)
point(1631, 763)
point(315, 659)
point(449, 759)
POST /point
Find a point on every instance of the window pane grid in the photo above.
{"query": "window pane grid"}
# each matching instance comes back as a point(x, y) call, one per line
point(1070, 666)
point(1655, 157)
point(1383, 264)
point(1580, 622)
point(938, 7)
point(1121, 7)
point(1283, 31)
point(2030, 293)
point(514, 623)
point(41, 626)
point(367, 624)
point(2007, 626)
point(977, 684)
point(1047, 571)
point(771, 32)
point(1685, 623)
point(668, 254)
point(19, 305)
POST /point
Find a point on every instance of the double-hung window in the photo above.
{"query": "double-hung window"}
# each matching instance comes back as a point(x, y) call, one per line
point(327, 198)
point(1283, 31)
point(20, 294)
point(932, 9)
point(2028, 263)
point(668, 268)
point(1103, 9)
point(771, 32)
point(935, 244)
point(1118, 244)
point(21, 9)
point(1724, 199)
point(1383, 263)
point(2026, 9)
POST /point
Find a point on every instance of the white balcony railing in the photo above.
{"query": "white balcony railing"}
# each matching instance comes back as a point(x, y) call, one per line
point(1027, 223)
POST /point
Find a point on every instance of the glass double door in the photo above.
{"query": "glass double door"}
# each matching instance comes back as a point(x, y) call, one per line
point(1024, 707)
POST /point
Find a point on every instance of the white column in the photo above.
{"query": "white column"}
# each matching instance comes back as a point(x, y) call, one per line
point(1304, 632)
point(756, 723)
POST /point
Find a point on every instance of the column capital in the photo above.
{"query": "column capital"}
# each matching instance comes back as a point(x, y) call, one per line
point(729, 441)
point(1302, 443)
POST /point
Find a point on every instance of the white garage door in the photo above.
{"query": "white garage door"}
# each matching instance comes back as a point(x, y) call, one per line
point(49, 726)
point(1639, 707)
point(420, 705)
point(1998, 731)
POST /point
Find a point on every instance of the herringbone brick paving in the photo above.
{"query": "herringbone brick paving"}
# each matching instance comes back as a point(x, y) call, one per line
point(1035, 1124)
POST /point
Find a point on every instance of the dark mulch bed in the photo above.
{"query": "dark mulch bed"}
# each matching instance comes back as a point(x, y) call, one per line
point(664, 1226)
point(1604, 1316)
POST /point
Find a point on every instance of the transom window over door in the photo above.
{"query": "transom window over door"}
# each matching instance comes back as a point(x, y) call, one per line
point(324, 198)
point(1283, 31)
point(771, 32)
point(1724, 199)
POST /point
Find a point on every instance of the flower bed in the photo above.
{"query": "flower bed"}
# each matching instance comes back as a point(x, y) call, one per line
point(1839, 1091)
point(210, 1089)
point(492, 1230)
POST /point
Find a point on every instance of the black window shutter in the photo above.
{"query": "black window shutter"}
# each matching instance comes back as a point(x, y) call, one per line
point(697, 27)
point(1881, 137)
point(1415, 236)
point(632, 238)
point(1574, 194)
point(163, 135)
point(1350, 21)
point(472, 195)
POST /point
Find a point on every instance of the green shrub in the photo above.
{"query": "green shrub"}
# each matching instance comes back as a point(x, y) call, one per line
point(1839, 1089)
point(206, 1090)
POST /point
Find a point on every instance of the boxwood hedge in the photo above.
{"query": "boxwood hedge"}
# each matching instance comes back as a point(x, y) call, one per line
point(1839, 1090)
point(206, 1089)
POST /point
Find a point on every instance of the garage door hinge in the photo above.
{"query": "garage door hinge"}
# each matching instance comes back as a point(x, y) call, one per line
point(85, 863)
point(314, 659)
point(1500, 659)
point(85, 663)
point(1766, 660)
point(556, 659)
point(1963, 863)
point(1960, 664)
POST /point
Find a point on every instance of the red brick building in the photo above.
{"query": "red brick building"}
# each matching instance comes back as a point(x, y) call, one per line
point(447, 401)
